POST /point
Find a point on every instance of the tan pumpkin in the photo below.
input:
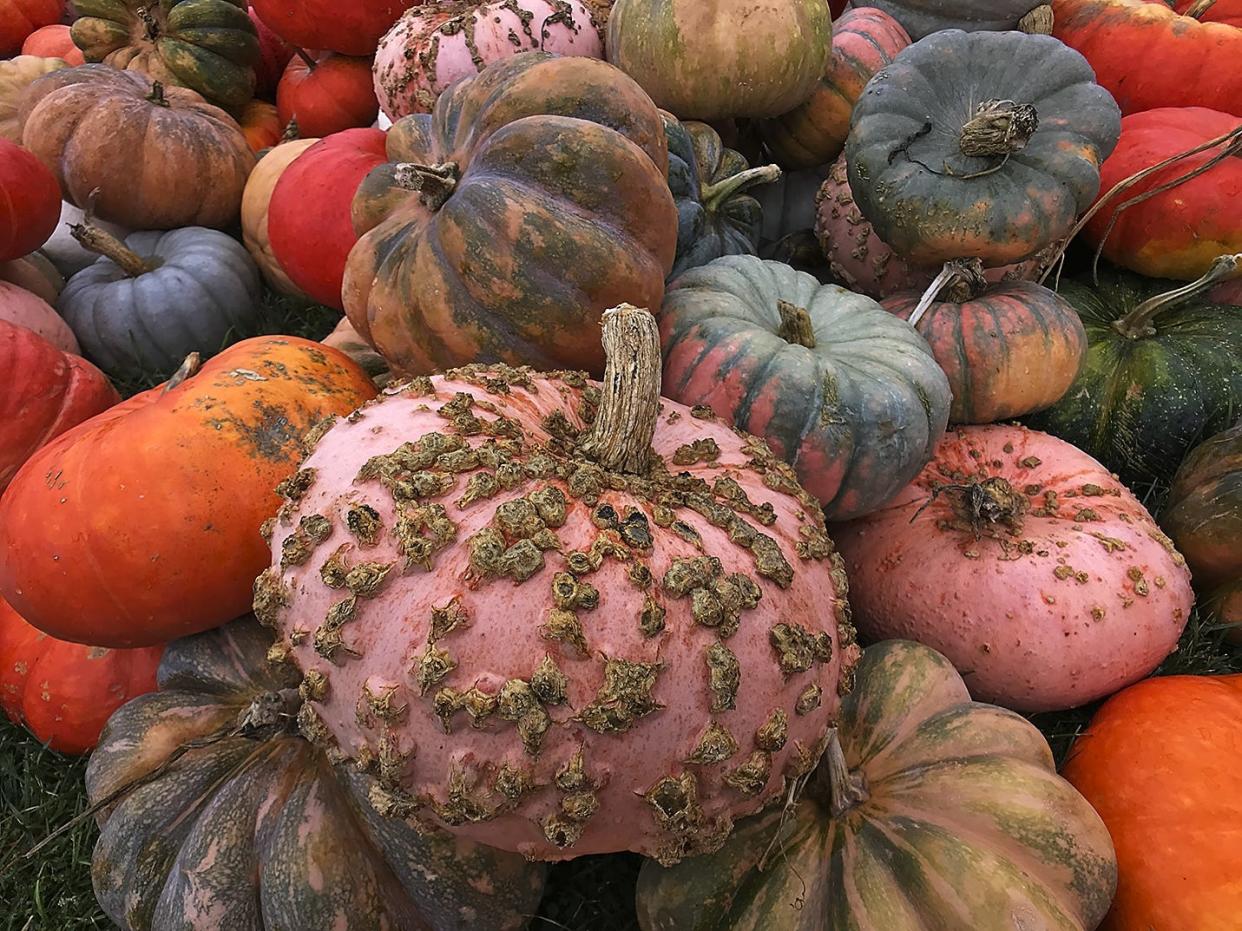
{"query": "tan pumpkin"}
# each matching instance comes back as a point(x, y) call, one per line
point(15, 76)
point(255, 201)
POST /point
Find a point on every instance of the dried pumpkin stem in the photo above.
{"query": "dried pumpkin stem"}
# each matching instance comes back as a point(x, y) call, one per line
point(150, 24)
point(292, 130)
point(310, 62)
point(795, 325)
point(1137, 324)
point(620, 439)
point(846, 789)
point(713, 195)
point(157, 94)
point(101, 242)
point(435, 182)
point(998, 128)
point(1038, 22)
point(1197, 11)
point(960, 280)
point(187, 369)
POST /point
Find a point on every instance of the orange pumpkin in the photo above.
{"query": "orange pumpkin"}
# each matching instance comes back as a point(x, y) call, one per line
point(142, 524)
point(327, 94)
point(19, 18)
point(53, 42)
point(1160, 765)
point(255, 202)
point(62, 692)
point(261, 125)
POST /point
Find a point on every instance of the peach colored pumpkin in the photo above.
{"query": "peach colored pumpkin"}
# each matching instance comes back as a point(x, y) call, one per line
point(17, 305)
point(435, 44)
point(15, 75)
point(34, 273)
point(1021, 559)
point(53, 42)
point(255, 201)
point(686, 630)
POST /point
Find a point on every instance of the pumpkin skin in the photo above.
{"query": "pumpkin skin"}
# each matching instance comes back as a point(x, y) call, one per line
point(1203, 513)
point(309, 224)
point(64, 693)
point(1043, 610)
point(260, 830)
point(209, 46)
point(262, 126)
point(857, 409)
point(19, 18)
point(29, 202)
point(957, 820)
point(351, 27)
point(345, 338)
point(256, 200)
point(437, 43)
point(1140, 404)
point(53, 42)
point(788, 231)
point(921, 18)
point(719, 59)
point(200, 290)
point(1173, 806)
point(87, 123)
point(559, 209)
point(333, 96)
point(34, 273)
point(1008, 349)
point(1177, 233)
point(15, 75)
point(48, 392)
point(663, 783)
point(274, 54)
point(1013, 207)
point(166, 491)
point(26, 309)
point(715, 216)
point(813, 133)
point(1186, 63)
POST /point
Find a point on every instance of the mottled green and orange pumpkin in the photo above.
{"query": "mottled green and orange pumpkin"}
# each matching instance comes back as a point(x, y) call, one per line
point(927, 811)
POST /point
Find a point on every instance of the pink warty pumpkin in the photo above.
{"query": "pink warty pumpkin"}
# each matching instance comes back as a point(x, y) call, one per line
point(678, 658)
point(435, 44)
point(1026, 563)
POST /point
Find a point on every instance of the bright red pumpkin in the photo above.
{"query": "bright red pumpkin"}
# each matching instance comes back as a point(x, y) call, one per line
point(63, 692)
point(1160, 765)
point(29, 201)
point(1148, 55)
point(47, 391)
point(308, 218)
point(143, 524)
point(1177, 233)
point(351, 27)
point(327, 94)
point(274, 54)
point(53, 42)
point(19, 18)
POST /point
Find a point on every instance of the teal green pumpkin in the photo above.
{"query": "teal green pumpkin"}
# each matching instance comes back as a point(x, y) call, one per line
point(715, 215)
point(928, 811)
point(1163, 371)
point(255, 828)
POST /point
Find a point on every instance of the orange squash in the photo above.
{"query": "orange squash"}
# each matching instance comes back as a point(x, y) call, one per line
point(142, 524)
point(1160, 765)
point(261, 125)
point(327, 93)
point(53, 42)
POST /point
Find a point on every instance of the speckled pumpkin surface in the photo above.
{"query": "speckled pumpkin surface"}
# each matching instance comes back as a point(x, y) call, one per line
point(932, 811)
point(982, 145)
point(550, 652)
point(234, 821)
point(507, 221)
point(1203, 513)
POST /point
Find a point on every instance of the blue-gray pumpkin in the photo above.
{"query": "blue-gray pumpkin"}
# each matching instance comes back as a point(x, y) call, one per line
point(151, 300)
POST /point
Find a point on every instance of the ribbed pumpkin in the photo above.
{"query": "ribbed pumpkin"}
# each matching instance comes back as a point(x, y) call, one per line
point(719, 59)
point(54, 41)
point(928, 810)
point(1173, 805)
point(1008, 349)
point(923, 17)
point(351, 27)
point(715, 214)
point(19, 18)
point(47, 391)
point(15, 75)
point(29, 202)
point(155, 298)
point(505, 223)
point(1163, 371)
point(345, 338)
point(27, 309)
point(256, 200)
point(326, 93)
point(1025, 562)
point(981, 144)
point(309, 224)
point(62, 692)
point(1179, 232)
point(847, 394)
point(149, 528)
point(813, 133)
point(1186, 63)
point(255, 828)
point(160, 156)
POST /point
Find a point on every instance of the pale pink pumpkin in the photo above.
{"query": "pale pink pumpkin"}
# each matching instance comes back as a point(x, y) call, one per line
point(1060, 591)
point(862, 261)
point(436, 44)
point(630, 692)
point(17, 305)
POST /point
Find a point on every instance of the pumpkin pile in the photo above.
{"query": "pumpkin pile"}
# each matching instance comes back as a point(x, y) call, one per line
point(445, 438)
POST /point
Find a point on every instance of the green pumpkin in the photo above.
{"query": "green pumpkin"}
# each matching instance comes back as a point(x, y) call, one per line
point(209, 46)
point(715, 215)
point(1159, 376)
point(927, 811)
point(256, 828)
